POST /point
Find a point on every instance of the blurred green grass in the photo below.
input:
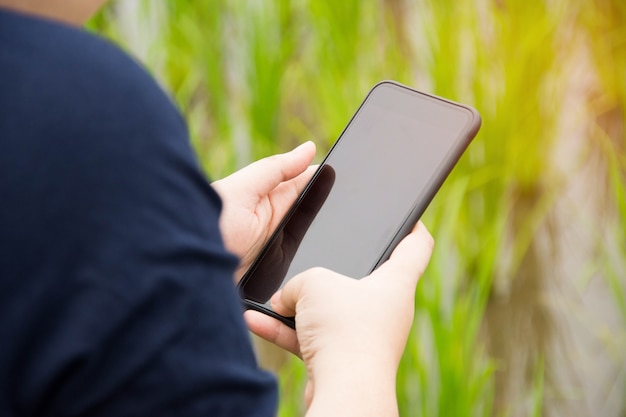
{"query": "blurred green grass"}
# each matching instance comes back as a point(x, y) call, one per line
point(257, 78)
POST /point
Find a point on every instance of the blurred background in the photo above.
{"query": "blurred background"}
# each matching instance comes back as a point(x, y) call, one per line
point(522, 311)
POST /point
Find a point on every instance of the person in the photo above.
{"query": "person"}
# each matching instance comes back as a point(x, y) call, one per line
point(117, 257)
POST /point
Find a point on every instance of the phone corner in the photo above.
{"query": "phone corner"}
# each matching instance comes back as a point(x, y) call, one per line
point(476, 120)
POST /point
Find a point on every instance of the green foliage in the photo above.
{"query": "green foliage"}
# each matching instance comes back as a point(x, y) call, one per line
point(255, 78)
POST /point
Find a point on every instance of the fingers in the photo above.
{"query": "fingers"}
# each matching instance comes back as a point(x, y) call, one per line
point(303, 179)
point(272, 330)
point(267, 173)
point(410, 258)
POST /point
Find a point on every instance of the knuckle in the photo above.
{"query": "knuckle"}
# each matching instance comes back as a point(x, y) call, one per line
point(318, 270)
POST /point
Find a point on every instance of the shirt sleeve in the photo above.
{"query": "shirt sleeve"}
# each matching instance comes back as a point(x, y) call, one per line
point(118, 295)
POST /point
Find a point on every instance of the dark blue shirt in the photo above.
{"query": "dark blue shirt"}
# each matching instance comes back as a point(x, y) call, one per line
point(116, 292)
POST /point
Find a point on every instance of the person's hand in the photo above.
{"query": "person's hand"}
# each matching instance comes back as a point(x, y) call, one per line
point(350, 333)
point(257, 197)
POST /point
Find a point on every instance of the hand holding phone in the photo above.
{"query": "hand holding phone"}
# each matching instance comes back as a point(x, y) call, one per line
point(367, 194)
point(256, 198)
point(350, 333)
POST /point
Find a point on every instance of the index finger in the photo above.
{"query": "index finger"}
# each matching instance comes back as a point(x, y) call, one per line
point(273, 331)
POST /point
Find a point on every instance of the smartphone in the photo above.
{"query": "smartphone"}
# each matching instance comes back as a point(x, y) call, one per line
point(368, 192)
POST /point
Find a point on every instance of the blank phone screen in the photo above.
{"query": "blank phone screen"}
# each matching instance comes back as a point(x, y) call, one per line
point(398, 146)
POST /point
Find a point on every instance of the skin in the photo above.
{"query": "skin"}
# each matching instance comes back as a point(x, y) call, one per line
point(74, 12)
point(351, 350)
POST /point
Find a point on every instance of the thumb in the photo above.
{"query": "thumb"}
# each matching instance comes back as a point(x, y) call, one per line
point(266, 174)
point(285, 301)
point(409, 259)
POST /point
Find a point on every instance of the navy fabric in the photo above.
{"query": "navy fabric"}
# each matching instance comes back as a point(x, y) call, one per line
point(116, 292)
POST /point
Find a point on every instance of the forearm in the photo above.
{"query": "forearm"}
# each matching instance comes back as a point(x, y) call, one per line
point(355, 390)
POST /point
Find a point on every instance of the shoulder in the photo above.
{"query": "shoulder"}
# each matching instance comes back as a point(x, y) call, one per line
point(74, 103)
point(60, 77)
point(88, 116)
point(78, 115)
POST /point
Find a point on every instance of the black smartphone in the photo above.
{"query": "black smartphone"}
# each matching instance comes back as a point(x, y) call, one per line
point(368, 192)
